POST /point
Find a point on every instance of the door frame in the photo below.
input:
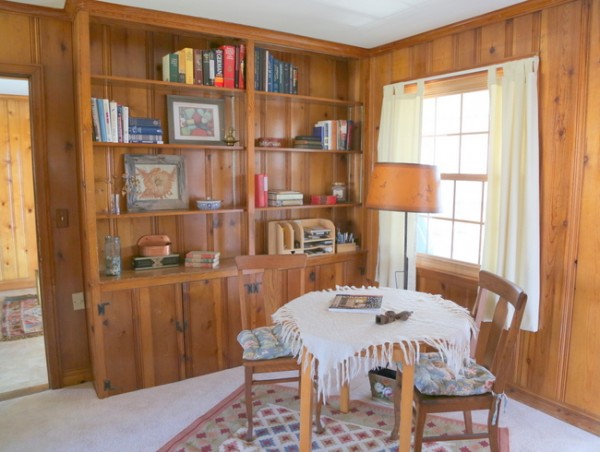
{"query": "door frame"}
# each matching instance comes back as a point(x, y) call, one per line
point(34, 75)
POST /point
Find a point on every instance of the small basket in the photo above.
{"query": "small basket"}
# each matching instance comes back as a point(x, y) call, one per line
point(382, 382)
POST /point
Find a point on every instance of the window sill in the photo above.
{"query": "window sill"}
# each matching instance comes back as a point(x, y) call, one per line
point(448, 266)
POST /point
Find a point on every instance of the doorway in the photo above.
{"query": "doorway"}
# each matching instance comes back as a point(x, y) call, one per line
point(23, 367)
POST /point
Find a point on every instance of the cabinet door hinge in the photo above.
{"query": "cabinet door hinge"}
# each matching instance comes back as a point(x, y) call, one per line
point(108, 385)
point(252, 288)
point(101, 307)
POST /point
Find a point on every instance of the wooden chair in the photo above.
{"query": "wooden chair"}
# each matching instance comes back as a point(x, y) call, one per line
point(265, 283)
point(494, 353)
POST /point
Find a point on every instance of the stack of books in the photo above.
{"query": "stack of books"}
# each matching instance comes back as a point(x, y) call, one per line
point(145, 130)
point(308, 142)
point(202, 259)
point(281, 198)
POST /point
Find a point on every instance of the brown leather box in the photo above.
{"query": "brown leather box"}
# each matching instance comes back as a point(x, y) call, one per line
point(154, 245)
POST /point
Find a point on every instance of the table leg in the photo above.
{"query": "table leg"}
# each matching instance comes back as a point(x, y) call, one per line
point(406, 413)
point(306, 402)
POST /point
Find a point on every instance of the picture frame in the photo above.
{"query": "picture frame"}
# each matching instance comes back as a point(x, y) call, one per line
point(155, 182)
point(196, 120)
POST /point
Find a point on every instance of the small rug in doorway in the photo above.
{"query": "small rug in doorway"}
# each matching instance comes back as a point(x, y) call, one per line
point(21, 317)
point(276, 427)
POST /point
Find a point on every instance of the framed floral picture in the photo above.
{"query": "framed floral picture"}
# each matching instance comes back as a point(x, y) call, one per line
point(155, 182)
point(194, 120)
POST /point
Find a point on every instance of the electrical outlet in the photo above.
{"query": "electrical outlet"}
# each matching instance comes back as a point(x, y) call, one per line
point(78, 301)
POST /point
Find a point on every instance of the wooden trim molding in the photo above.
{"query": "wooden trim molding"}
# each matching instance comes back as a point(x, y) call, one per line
point(459, 269)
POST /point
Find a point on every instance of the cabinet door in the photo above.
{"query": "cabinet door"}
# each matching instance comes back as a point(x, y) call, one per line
point(323, 276)
point(160, 334)
point(205, 329)
point(116, 368)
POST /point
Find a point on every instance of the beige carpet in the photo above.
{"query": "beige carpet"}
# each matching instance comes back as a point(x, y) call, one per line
point(74, 419)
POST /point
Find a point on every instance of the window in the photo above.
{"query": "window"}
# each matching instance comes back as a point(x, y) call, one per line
point(455, 129)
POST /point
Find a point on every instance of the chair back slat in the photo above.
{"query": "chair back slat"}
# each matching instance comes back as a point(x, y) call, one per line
point(497, 348)
point(265, 283)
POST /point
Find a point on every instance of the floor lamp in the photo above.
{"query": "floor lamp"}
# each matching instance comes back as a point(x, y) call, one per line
point(404, 187)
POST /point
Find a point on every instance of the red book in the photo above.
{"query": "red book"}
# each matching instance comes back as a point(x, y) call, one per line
point(261, 188)
point(241, 65)
point(228, 66)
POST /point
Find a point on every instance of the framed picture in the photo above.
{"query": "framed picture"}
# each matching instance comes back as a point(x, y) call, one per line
point(155, 182)
point(194, 120)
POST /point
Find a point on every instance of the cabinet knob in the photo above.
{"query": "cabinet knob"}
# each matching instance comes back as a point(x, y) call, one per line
point(312, 276)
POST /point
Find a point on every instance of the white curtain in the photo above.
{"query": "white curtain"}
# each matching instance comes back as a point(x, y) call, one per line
point(512, 226)
point(399, 141)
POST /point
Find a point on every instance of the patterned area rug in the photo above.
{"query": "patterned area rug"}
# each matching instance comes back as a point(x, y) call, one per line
point(21, 317)
point(276, 426)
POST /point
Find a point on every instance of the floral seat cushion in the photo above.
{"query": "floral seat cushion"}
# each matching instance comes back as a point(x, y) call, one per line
point(433, 377)
point(263, 343)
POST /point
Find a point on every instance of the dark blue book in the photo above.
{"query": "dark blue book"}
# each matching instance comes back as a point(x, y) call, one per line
point(144, 122)
point(148, 130)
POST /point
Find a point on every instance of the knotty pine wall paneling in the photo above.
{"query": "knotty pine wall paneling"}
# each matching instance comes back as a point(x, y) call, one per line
point(37, 41)
point(555, 366)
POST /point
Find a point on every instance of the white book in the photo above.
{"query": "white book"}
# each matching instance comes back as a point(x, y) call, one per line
point(125, 119)
point(114, 122)
point(107, 127)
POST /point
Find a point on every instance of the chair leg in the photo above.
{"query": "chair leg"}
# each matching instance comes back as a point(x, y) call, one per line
point(397, 397)
point(248, 377)
point(468, 422)
point(493, 422)
point(420, 417)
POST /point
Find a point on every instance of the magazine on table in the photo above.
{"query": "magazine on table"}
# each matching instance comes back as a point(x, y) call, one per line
point(356, 303)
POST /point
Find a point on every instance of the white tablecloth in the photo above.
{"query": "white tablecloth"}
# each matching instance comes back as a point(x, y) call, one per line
point(337, 339)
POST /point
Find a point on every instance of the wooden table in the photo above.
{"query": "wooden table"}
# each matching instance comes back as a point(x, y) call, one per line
point(337, 338)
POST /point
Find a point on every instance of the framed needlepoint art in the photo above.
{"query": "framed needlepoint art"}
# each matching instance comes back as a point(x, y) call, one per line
point(194, 120)
point(155, 182)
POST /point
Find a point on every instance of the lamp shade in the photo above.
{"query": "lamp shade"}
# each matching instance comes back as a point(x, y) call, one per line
point(405, 187)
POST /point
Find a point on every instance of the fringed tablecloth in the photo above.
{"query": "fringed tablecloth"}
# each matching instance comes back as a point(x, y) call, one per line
point(346, 344)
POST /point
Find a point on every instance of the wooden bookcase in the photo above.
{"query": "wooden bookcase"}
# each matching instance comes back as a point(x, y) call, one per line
point(147, 327)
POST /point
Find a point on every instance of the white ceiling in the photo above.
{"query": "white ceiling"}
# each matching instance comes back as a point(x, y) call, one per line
point(361, 23)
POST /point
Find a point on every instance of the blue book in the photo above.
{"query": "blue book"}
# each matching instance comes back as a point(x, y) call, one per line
point(144, 122)
point(101, 117)
point(148, 130)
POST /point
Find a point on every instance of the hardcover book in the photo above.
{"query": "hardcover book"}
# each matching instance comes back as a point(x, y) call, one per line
point(356, 303)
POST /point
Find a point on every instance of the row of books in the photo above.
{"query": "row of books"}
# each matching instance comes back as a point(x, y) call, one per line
point(336, 134)
point(274, 75)
point(112, 124)
point(280, 198)
point(222, 67)
point(202, 259)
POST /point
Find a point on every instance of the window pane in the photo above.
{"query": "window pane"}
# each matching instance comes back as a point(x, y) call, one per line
point(439, 238)
point(473, 154)
point(447, 201)
point(447, 115)
point(446, 153)
point(466, 242)
point(468, 201)
point(476, 106)
point(428, 124)
point(428, 150)
point(422, 222)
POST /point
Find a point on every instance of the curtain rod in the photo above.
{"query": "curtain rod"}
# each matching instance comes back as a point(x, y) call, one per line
point(534, 59)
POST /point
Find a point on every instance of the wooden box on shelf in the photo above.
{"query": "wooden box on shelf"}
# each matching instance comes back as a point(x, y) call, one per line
point(310, 236)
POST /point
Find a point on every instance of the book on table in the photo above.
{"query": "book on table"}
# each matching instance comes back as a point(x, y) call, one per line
point(356, 303)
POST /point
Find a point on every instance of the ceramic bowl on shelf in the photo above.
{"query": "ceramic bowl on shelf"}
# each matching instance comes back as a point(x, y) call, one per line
point(208, 204)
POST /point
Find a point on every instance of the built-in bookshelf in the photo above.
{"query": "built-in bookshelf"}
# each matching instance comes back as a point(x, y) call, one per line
point(122, 61)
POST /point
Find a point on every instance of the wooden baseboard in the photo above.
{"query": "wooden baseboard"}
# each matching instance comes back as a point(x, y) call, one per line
point(22, 392)
point(556, 409)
